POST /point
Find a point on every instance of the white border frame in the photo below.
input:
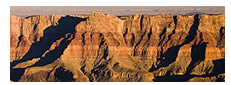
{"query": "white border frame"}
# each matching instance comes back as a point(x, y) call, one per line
point(5, 31)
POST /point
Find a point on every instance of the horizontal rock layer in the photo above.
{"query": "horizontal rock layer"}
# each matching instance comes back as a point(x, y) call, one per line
point(103, 47)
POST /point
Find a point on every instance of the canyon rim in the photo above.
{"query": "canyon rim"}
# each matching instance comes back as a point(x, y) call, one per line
point(103, 47)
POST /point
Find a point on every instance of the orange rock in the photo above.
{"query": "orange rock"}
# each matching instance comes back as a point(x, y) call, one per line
point(104, 46)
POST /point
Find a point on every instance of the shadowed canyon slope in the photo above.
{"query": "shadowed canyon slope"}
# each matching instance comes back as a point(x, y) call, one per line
point(103, 47)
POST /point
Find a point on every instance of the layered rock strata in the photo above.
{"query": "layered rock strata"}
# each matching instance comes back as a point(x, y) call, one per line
point(103, 47)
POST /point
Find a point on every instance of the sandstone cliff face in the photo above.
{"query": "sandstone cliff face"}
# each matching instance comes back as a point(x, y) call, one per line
point(103, 47)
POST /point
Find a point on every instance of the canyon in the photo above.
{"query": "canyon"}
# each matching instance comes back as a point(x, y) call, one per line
point(106, 48)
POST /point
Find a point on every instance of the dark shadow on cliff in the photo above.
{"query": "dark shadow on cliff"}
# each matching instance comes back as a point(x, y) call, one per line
point(161, 36)
point(63, 75)
point(51, 34)
point(56, 53)
point(15, 74)
point(173, 31)
point(184, 78)
point(193, 30)
point(221, 41)
point(170, 55)
point(197, 55)
point(64, 29)
point(101, 72)
point(219, 66)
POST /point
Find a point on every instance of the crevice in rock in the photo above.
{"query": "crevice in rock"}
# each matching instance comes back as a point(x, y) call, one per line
point(149, 36)
point(83, 37)
point(102, 41)
point(161, 36)
point(91, 35)
point(124, 35)
point(141, 38)
point(193, 30)
point(35, 27)
point(105, 55)
point(133, 40)
point(19, 40)
point(221, 42)
point(222, 31)
point(82, 69)
point(144, 54)
point(146, 44)
point(175, 20)
point(48, 74)
point(141, 22)
point(174, 30)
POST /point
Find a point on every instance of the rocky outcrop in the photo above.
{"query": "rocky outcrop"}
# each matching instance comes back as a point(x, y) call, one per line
point(103, 47)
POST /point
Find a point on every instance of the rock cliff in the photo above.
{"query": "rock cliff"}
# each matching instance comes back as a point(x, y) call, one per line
point(103, 47)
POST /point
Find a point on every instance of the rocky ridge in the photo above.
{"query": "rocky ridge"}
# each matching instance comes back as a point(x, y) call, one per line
point(103, 47)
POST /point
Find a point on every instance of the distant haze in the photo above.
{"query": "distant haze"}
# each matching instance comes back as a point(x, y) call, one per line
point(115, 10)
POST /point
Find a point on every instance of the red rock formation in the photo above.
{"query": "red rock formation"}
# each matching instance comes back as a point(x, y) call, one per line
point(103, 47)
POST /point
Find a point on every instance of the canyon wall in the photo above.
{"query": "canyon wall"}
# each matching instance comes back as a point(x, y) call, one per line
point(103, 47)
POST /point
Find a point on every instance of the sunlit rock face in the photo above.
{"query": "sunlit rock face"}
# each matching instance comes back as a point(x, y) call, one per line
point(103, 47)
